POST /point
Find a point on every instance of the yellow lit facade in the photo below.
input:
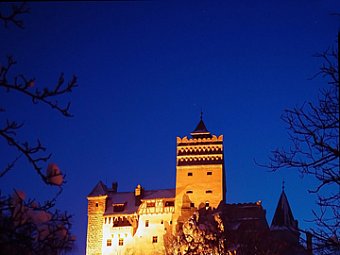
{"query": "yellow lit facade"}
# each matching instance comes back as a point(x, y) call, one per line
point(138, 222)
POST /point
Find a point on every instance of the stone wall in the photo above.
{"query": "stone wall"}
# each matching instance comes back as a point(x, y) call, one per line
point(96, 209)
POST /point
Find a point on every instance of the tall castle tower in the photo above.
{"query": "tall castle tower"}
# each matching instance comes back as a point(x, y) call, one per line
point(200, 174)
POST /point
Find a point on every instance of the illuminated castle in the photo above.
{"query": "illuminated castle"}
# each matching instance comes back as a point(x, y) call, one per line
point(137, 222)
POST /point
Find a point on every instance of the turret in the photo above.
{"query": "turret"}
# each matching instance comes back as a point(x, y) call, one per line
point(96, 209)
point(283, 224)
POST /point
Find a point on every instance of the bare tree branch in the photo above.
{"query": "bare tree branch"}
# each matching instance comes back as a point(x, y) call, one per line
point(47, 96)
point(313, 130)
point(27, 227)
point(14, 15)
point(9, 166)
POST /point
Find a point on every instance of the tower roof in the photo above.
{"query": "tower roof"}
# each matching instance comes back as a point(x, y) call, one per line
point(201, 130)
point(99, 190)
point(283, 217)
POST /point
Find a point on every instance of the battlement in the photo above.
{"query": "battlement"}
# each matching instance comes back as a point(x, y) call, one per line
point(187, 141)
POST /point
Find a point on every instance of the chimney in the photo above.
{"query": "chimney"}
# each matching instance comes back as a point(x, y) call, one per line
point(114, 187)
point(309, 243)
point(138, 194)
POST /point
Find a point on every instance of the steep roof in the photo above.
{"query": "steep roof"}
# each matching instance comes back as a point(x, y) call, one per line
point(99, 190)
point(158, 194)
point(283, 217)
point(201, 130)
point(244, 216)
point(128, 199)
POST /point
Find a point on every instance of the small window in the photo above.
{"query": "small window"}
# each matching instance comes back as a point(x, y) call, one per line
point(189, 174)
point(207, 204)
point(121, 242)
point(208, 191)
point(169, 203)
point(108, 242)
point(170, 222)
point(189, 192)
point(105, 220)
point(154, 239)
point(209, 173)
point(118, 207)
point(192, 205)
point(147, 223)
point(109, 220)
point(150, 204)
point(162, 221)
point(97, 204)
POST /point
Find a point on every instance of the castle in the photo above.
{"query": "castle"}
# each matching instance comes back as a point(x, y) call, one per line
point(136, 222)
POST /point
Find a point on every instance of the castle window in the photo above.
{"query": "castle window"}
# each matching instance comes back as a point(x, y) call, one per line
point(207, 205)
point(97, 204)
point(170, 222)
point(118, 207)
point(109, 220)
point(169, 203)
point(161, 221)
point(190, 174)
point(121, 242)
point(147, 223)
point(189, 192)
point(208, 191)
point(108, 242)
point(209, 173)
point(105, 220)
point(150, 204)
point(154, 239)
point(192, 205)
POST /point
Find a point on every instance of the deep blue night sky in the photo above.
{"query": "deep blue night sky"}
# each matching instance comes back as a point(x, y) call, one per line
point(146, 69)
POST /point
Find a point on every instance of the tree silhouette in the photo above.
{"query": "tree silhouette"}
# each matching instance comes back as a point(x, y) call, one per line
point(202, 233)
point(28, 227)
point(313, 131)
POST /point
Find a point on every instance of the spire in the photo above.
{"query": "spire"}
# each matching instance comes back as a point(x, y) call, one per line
point(201, 130)
point(283, 217)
